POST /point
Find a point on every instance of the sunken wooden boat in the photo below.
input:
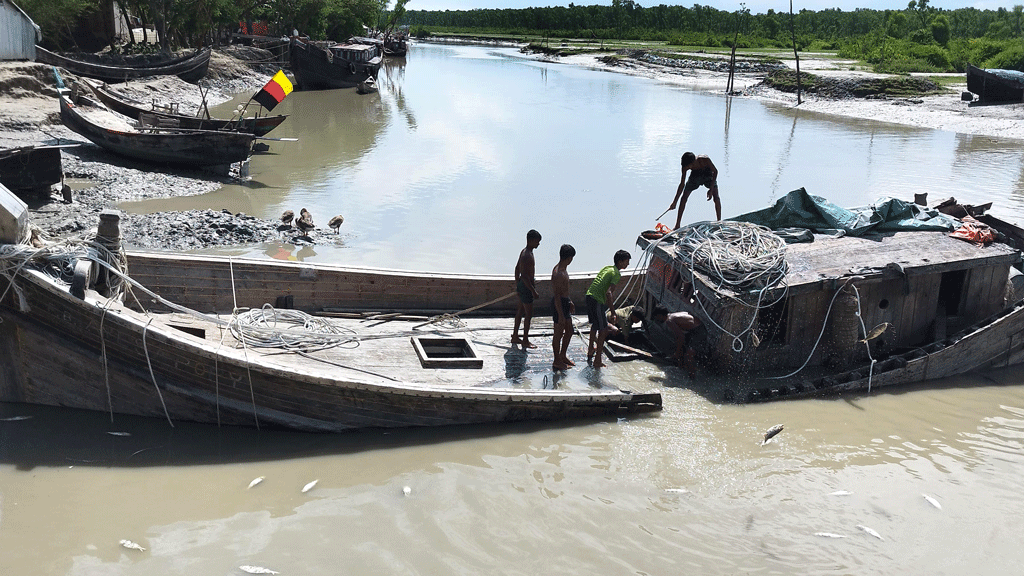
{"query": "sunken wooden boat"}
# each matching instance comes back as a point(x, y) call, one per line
point(278, 344)
point(158, 143)
point(191, 68)
point(122, 104)
point(29, 169)
point(333, 65)
point(891, 306)
point(995, 86)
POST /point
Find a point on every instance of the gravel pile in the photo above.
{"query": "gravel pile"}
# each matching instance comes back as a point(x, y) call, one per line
point(710, 65)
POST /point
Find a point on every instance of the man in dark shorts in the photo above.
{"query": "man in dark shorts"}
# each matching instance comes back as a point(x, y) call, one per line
point(526, 289)
point(680, 325)
point(562, 309)
point(599, 299)
point(702, 173)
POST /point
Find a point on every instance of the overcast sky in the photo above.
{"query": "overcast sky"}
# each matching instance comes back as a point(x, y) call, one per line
point(755, 6)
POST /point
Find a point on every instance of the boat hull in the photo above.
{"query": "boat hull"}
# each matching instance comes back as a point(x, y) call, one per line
point(30, 168)
point(992, 88)
point(313, 69)
point(190, 68)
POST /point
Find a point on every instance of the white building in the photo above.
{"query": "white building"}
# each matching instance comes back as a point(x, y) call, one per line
point(18, 33)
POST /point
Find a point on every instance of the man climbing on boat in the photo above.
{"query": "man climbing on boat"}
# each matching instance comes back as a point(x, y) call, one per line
point(599, 298)
point(680, 324)
point(526, 289)
point(702, 173)
point(562, 309)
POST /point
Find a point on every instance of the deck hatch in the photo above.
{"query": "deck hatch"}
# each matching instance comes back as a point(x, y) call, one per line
point(446, 353)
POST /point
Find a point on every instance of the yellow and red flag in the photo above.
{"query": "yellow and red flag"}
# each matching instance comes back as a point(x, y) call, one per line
point(275, 91)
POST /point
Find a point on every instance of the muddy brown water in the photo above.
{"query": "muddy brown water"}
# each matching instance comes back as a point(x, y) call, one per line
point(466, 136)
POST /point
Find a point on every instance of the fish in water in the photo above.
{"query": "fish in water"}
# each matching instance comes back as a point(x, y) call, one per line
point(870, 531)
point(287, 217)
point(256, 570)
point(132, 545)
point(829, 535)
point(771, 433)
point(840, 493)
point(256, 481)
point(876, 332)
point(120, 433)
point(14, 418)
point(406, 490)
point(336, 222)
point(309, 486)
point(932, 501)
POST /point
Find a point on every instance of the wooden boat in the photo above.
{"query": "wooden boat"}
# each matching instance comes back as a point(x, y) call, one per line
point(183, 357)
point(190, 68)
point(396, 46)
point(368, 86)
point(30, 168)
point(333, 65)
point(157, 142)
point(258, 125)
point(995, 86)
point(848, 313)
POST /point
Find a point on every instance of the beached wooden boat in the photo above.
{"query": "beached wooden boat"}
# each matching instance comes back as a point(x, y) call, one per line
point(333, 65)
point(848, 313)
point(183, 357)
point(30, 168)
point(396, 46)
point(258, 125)
point(995, 86)
point(158, 143)
point(190, 68)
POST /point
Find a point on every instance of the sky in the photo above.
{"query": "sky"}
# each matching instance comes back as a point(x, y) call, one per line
point(755, 6)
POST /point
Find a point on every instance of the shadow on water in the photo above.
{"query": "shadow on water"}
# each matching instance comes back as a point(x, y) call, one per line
point(32, 435)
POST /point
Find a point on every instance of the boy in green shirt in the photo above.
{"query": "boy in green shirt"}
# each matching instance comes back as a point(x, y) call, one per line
point(599, 298)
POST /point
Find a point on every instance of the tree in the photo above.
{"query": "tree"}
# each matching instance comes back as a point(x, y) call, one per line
point(940, 29)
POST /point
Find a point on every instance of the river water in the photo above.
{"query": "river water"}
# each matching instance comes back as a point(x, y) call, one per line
point(463, 150)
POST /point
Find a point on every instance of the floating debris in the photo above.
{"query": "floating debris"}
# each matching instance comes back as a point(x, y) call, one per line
point(932, 501)
point(256, 570)
point(406, 490)
point(309, 486)
point(120, 433)
point(840, 493)
point(870, 531)
point(677, 490)
point(771, 433)
point(256, 481)
point(829, 535)
point(14, 418)
point(132, 545)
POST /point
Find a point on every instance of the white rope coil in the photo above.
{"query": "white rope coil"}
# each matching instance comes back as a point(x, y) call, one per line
point(738, 255)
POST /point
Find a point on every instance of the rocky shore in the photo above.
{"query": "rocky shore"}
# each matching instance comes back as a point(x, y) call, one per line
point(29, 115)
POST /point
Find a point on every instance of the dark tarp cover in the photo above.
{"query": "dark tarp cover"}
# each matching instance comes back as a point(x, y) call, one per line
point(798, 209)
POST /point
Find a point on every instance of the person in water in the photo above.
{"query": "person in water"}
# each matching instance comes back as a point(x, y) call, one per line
point(526, 289)
point(702, 173)
point(680, 324)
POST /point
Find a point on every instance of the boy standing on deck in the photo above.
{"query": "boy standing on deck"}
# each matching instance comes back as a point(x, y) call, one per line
point(562, 309)
point(702, 173)
point(599, 297)
point(526, 289)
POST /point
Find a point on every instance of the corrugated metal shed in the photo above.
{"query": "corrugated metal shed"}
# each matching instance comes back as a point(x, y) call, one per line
point(18, 33)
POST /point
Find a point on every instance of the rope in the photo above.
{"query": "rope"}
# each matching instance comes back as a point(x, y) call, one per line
point(152, 375)
point(245, 349)
point(453, 318)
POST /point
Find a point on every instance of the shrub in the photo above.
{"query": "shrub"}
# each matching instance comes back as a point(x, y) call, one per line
point(1010, 59)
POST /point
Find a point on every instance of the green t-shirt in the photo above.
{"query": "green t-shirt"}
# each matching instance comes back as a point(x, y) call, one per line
point(606, 277)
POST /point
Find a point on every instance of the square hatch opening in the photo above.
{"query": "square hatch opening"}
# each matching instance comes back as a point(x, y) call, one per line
point(446, 353)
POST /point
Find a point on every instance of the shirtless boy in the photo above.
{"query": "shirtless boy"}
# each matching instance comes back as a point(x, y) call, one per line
point(702, 173)
point(562, 309)
point(680, 324)
point(526, 289)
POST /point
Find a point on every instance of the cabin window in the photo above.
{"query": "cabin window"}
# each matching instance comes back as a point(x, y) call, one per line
point(951, 292)
point(772, 324)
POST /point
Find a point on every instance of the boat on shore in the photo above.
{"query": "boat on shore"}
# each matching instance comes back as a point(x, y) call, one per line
point(257, 125)
point(276, 344)
point(994, 86)
point(191, 68)
point(330, 65)
point(29, 169)
point(157, 142)
point(897, 297)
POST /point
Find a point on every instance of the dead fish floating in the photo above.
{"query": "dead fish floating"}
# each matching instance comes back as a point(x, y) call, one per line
point(132, 545)
point(932, 501)
point(840, 493)
point(876, 332)
point(256, 570)
point(120, 433)
point(309, 486)
point(829, 535)
point(14, 418)
point(870, 531)
point(256, 481)
point(771, 433)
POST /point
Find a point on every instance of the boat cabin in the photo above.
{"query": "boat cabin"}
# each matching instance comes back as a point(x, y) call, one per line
point(356, 53)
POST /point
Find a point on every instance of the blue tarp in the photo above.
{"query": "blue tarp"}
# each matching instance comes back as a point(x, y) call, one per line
point(798, 209)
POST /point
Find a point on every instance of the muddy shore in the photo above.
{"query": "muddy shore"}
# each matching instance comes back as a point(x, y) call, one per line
point(29, 115)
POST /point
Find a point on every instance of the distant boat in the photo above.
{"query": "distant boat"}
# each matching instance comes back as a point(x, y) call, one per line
point(190, 68)
point(995, 85)
point(258, 125)
point(333, 66)
point(152, 142)
point(368, 86)
point(396, 46)
point(30, 168)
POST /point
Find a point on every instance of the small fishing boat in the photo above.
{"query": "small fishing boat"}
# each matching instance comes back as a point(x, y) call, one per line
point(333, 65)
point(396, 45)
point(154, 140)
point(190, 68)
point(258, 125)
point(883, 296)
point(995, 86)
point(368, 86)
point(277, 344)
point(30, 168)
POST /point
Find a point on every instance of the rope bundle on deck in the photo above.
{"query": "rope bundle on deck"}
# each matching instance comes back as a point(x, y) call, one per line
point(740, 256)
